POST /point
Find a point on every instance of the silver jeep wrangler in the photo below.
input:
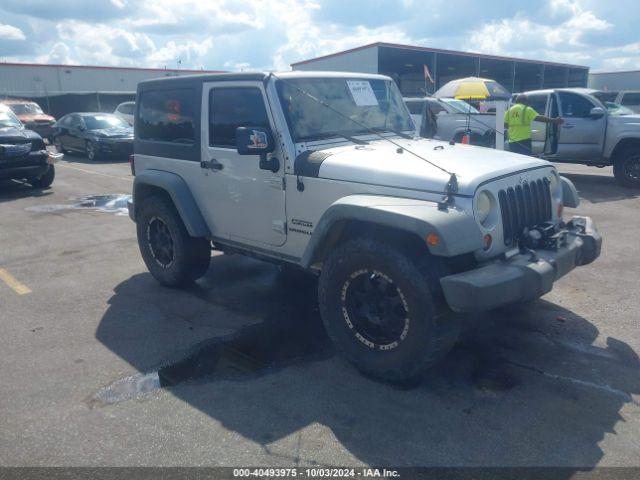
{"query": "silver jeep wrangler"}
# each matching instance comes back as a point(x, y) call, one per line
point(321, 171)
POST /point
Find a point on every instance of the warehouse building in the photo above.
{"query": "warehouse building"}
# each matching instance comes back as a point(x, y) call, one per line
point(615, 81)
point(405, 64)
point(60, 89)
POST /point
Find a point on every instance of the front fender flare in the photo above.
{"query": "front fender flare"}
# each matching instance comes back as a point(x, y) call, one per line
point(180, 194)
point(570, 197)
point(458, 232)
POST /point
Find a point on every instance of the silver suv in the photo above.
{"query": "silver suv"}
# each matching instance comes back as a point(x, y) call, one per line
point(594, 132)
point(321, 172)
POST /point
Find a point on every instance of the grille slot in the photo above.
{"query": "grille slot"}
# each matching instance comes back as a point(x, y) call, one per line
point(523, 206)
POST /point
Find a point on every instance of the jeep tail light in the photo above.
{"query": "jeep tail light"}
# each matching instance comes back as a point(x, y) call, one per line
point(132, 164)
point(560, 210)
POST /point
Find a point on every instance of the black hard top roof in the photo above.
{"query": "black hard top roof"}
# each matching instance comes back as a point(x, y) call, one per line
point(195, 79)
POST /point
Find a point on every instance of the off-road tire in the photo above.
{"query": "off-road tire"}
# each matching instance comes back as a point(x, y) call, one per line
point(431, 330)
point(626, 162)
point(45, 180)
point(191, 256)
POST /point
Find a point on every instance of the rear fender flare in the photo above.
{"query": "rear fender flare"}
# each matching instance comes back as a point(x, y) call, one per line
point(180, 194)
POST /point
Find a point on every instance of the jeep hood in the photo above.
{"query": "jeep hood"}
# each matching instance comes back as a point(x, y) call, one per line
point(381, 163)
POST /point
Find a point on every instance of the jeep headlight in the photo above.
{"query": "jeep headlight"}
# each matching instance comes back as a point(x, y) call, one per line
point(485, 206)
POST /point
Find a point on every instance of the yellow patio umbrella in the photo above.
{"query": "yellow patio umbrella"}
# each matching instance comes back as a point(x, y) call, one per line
point(473, 88)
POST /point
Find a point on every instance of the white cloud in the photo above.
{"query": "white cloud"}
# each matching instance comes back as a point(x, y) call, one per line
point(9, 32)
point(272, 34)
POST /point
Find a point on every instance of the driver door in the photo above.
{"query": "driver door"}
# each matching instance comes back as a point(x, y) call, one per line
point(239, 199)
point(581, 137)
point(74, 138)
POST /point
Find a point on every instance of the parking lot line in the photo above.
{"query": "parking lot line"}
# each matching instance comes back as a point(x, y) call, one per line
point(16, 286)
point(94, 173)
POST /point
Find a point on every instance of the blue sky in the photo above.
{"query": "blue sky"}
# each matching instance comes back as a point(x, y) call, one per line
point(271, 34)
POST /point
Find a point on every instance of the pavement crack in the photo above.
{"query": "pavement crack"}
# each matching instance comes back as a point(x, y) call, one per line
point(603, 388)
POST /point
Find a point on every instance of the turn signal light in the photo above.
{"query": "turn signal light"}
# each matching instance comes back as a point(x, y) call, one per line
point(487, 240)
point(432, 239)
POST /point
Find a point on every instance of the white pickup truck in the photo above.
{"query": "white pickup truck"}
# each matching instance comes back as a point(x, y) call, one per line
point(594, 133)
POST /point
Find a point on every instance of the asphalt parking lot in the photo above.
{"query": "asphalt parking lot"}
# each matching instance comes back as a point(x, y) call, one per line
point(246, 376)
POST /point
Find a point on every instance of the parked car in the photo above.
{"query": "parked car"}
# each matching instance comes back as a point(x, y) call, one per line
point(626, 98)
point(32, 117)
point(125, 111)
point(449, 119)
point(321, 171)
point(593, 133)
point(23, 154)
point(97, 135)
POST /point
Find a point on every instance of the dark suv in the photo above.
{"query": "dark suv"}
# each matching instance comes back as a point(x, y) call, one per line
point(23, 154)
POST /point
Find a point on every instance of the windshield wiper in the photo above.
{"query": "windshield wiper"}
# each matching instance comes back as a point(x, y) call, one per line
point(397, 132)
point(323, 136)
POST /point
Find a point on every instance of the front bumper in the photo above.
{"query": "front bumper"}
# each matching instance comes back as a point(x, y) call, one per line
point(525, 276)
point(114, 148)
point(28, 166)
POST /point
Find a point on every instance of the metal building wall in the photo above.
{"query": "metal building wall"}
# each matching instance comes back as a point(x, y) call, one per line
point(364, 61)
point(615, 80)
point(40, 80)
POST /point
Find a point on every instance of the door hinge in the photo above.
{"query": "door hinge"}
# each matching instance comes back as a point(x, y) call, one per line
point(279, 226)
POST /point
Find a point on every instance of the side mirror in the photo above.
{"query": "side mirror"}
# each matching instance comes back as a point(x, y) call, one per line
point(596, 112)
point(254, 141)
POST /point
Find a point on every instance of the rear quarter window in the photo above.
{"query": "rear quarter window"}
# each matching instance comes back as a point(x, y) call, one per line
point(167, 116)
point(630, 99)
point(538, 102)
point(415, 107)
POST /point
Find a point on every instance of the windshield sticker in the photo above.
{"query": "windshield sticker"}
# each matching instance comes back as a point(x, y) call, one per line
point(362, 93)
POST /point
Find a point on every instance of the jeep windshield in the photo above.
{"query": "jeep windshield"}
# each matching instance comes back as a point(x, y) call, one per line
point(364, 105)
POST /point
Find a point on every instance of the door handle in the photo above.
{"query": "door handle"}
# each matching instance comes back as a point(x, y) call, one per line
point(212, 164)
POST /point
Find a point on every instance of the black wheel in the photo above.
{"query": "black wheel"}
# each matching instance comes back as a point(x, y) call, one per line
point(90, 151)
point(172, 256)
point(626, 168)
point(377, 308)
point(45, 180)
point(57, 142)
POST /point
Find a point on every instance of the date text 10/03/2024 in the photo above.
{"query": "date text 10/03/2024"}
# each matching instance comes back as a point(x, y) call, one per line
point(315, 473)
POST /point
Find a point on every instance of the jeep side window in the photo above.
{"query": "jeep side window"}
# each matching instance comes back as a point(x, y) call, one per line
point(230, 108)
point(574, 106)
point(167, 116)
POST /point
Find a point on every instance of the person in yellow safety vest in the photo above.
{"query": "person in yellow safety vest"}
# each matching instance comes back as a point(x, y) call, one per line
point(518, 120)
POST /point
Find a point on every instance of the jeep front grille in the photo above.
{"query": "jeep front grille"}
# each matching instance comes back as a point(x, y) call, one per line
point(524, 206)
